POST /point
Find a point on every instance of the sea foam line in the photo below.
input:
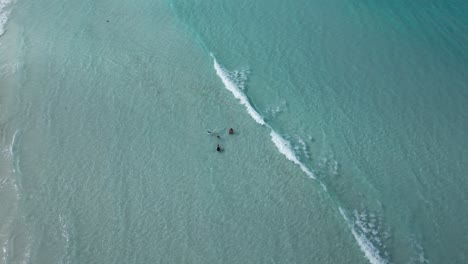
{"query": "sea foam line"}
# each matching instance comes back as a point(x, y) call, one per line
point(369, 250)
point(282, 144)
point(231, 86)
point(285, 148)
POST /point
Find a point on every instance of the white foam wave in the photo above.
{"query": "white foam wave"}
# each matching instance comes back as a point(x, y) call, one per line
point(236, 91)
point(282, 144)
point(4, 14)
point(360, 229)
point(370, 251)
point(285, 148)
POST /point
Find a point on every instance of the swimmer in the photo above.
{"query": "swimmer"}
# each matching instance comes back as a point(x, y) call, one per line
point(218, 148)
point(231, 131)
point(212, 132)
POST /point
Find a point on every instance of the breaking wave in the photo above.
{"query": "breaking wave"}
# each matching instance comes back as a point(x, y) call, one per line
point(236, 91)
point(285, 148)
point(365, 235)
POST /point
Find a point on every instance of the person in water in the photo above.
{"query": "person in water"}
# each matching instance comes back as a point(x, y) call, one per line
point(218, 148)
point(231, 131)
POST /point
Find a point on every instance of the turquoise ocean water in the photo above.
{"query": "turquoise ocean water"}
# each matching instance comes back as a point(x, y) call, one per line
point(350, 122)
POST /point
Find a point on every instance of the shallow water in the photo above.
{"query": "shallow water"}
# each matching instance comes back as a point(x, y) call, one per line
point(349, 144)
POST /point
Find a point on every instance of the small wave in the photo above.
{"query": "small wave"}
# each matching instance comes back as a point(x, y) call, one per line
point(359, 231)
point(4, 14)
point(5, 152)
point(282, 144)
point(10, 149)
point(236, 91)
point(285, 148)
point(364, 230)
point(298, 146)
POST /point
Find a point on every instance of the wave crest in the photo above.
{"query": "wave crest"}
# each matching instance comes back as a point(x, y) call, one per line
point(363, 228)
point(224, 75)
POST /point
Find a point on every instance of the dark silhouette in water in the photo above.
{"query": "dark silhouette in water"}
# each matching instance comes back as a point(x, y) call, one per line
point(231, 131)
point(218, 148)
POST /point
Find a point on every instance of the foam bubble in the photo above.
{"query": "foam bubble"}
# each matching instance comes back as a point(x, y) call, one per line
point(239, 78)
point(236, 91)
point(8, 69)
point(420, 257)
point(274, 110)
point(65, 232)
point(327, 164)
point(302, 147)
point(5, 251)
point(64, 229)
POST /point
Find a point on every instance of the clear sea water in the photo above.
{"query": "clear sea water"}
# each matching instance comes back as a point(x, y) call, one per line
point(350, 121)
